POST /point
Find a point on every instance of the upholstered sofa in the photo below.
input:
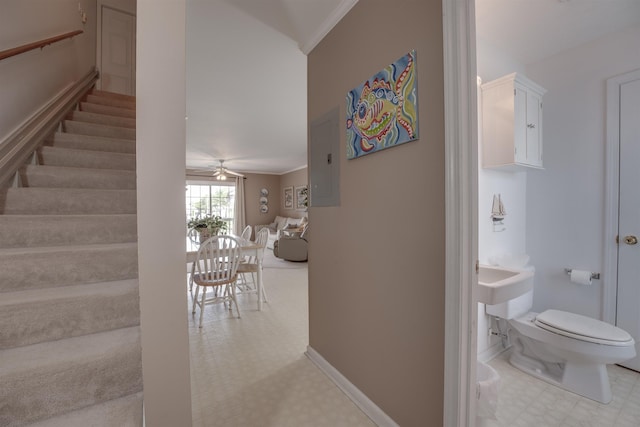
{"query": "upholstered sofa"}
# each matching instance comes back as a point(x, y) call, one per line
point(293, 247)
point(279, 224)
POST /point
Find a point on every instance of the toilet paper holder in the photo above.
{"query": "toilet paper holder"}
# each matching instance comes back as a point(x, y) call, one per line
point(595, 276)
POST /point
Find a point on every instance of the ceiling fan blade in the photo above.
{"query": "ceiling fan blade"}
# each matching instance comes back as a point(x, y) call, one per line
point(228, 172)
point(200, 170)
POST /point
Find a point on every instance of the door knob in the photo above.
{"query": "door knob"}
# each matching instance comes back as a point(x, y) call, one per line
point(630, 240)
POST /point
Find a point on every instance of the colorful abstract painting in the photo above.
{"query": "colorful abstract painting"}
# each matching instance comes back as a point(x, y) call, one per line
point(383, 111)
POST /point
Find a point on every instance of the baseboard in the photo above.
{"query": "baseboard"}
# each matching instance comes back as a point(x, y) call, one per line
point(492, 352)
point(359, 398)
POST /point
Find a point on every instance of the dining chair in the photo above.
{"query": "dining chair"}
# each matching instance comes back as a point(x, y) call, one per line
point(192, 234)
point(217, 268)
point(246, 233)
point(251, 267)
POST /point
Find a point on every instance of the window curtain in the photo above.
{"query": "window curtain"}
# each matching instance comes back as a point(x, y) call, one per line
point(240, 218)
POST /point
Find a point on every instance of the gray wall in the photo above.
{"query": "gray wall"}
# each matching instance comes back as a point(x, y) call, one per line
point(252, 186)
point(377, 267)
point(292, 179)
point(30, 80)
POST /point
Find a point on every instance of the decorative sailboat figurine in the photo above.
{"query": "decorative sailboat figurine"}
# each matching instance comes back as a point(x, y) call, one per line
point(497, 209)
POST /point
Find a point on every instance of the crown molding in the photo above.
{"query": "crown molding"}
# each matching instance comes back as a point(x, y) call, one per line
point(331, 21)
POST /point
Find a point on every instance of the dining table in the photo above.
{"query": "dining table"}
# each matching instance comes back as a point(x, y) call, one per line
point(247, 248)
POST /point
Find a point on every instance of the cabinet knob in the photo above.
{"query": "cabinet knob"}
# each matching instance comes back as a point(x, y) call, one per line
point(531, 126)
point(630, 240)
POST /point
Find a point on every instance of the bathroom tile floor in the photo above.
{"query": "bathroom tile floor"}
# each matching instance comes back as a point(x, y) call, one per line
point(252, 371)
point(525, 401)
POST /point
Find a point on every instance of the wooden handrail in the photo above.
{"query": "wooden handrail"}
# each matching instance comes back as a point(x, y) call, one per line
point(17, 147)
point(39, 44)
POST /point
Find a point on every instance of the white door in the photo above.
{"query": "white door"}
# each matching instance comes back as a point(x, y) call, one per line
point(118, 49)
point(628, 295)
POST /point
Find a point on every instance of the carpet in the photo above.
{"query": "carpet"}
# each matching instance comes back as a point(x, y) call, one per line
point(270, 261)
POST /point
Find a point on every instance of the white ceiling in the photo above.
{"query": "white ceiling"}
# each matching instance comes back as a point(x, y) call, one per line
point(246, 66)
point(530, 30)
point(247, 80)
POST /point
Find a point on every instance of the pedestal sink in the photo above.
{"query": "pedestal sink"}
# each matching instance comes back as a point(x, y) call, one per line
point(499, 284)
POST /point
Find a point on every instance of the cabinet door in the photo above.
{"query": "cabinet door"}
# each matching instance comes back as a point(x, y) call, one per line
point(520, 125)
point(534, 129)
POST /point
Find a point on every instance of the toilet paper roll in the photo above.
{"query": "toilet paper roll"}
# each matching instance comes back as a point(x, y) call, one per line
point(581, 277)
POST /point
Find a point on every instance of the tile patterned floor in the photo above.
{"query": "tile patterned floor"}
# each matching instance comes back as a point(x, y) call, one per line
point(252, 371)
point(525, 401)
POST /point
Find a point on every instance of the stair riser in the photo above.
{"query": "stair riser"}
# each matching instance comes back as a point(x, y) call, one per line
point(113, 95)
point(91, 143)
point(87, 117)
point(99, 130)
point(51, 156)
point(35, 322)
point(39, 176)
point(61, 268)
point(34, 201)
point(111, 102)
point(56, 389)
point(105, 109)
point(24, 231)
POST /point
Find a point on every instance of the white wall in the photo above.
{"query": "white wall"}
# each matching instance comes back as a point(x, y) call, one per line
point(492, 63)
point(511, 186)
point(556, 215)
point(161, 106)
point(30, 80)
point(565, 202)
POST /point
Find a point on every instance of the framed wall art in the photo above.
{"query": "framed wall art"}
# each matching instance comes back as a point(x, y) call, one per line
point(383, 111)
point(288, 197)
point(301, 197)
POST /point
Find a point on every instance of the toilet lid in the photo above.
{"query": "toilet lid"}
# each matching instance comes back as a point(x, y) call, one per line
point(582, 328)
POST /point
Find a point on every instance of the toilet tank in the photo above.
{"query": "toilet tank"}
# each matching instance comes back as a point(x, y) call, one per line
point(512, 308)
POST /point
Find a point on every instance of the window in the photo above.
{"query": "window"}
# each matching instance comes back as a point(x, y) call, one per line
point(204, 198)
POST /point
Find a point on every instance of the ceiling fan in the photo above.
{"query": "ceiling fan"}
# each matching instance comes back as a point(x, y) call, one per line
point(221, 173)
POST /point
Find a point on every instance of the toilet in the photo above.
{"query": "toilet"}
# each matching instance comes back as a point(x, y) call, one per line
point(565, 349)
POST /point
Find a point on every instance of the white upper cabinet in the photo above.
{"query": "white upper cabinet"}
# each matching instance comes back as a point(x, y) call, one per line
point(512, 123)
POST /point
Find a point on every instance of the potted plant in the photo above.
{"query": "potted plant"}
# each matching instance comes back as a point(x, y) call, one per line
point(207, 226)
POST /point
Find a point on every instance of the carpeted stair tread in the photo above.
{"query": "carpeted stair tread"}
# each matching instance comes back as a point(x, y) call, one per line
point(70, 177)
point(54, 266)
point(103, 100)
point(35, 316)
point(85, 116)
point(55, 230)
point(53, 201)
point(108, 110)
point(50, 378)
point(91, 143)
point(70, 351)
point(123, 412)
point(83, 128)
point(54, 156)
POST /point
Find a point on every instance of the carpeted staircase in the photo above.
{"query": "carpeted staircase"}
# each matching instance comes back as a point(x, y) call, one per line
point(69, 311)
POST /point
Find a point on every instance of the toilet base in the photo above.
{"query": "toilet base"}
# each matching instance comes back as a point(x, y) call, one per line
point(590, 380)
